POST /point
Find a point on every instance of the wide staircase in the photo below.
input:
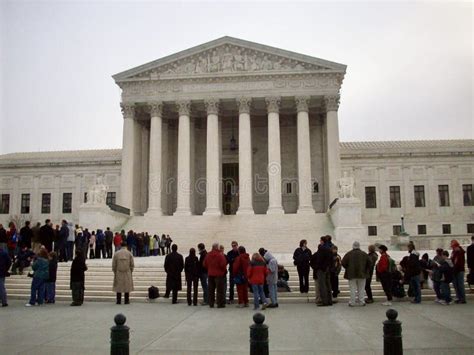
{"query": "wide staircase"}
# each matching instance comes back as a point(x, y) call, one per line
point(99, 279)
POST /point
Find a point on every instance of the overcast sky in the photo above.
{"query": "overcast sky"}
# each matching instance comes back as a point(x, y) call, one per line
point(409, 75)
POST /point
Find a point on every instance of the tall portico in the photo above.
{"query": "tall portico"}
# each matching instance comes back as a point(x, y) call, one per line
point(286, 147)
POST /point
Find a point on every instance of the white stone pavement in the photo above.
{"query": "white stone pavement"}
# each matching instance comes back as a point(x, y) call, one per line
point(180, 329)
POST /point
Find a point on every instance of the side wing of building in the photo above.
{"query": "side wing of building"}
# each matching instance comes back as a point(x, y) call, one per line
point(429, 183)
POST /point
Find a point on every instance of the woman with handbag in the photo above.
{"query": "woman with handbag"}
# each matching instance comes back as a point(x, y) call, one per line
point(239, 271)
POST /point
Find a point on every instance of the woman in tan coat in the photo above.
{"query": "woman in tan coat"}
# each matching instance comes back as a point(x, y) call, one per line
point(122, 266)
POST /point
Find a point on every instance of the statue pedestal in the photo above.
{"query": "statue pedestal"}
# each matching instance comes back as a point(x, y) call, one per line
point(95, 215)
point(346, 216)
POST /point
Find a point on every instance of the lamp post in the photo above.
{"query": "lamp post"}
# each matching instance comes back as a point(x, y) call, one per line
point(403, 233)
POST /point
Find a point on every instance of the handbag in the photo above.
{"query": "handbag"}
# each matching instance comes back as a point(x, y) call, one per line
point(240, 279)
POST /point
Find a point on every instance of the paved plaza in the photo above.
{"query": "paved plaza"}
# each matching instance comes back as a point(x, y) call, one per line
point(180, 329)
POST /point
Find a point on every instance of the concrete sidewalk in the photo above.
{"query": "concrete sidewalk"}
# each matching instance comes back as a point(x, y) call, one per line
point(180, 329)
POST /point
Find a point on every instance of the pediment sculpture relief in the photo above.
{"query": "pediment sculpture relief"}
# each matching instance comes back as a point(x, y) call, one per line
point(229, 59)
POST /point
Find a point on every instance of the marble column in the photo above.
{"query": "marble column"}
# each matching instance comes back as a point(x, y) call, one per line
point(184, 160)
point(213, 196)
point(245, 158)
point(274, 156)
point(128, 155)
point(155, 169)
point(305, 193)
point(332, 145)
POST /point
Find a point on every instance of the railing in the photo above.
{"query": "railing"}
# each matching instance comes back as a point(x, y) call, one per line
point(333, 202)
point(119, 209)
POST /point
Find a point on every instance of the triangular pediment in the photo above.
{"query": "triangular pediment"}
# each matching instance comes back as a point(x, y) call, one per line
point(231, 56)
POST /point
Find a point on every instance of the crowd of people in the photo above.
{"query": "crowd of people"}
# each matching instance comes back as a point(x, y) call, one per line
point(220, 273)
point(360, 266)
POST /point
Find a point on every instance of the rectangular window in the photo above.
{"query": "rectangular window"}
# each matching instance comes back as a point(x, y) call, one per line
point(85, 197)
point(25, 203)
point(5, 206)
point(370, 197)
point(397, 229)
point(372, 230)
point(288, 187)
point(443, 191)
point(419, 195)
point(421, 229)
point(46, 203)
point(111, 198)
point(395, 200)
point(470, 228)
point(446, 229)
point(67, 202)
point(467, 195)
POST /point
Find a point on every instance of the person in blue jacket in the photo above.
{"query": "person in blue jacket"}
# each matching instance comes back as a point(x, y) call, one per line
point(40, 275)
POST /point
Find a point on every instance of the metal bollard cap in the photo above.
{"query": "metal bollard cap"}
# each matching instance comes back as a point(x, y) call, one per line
point(120, 319)
point(258, 318)
point(392, 314)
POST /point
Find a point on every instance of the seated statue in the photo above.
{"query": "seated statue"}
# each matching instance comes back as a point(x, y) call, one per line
point(346, 186)
point(97, 193)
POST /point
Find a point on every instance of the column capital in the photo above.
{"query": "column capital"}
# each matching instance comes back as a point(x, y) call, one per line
point(244, 104)
point(212, 106)
point(155, 108)
point(184, 107)
point(128, 109)
point(331, 102)
point(302, 103)
point(273, 104)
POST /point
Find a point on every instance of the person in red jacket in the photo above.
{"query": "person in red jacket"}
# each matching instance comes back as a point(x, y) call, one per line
point(239, 272)
point(256, 274)
point(384, 274)
point(216, 265)
point(117, 241)
point(459, 260)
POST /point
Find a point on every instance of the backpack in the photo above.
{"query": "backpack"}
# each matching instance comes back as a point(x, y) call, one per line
point(392, 266)
point(153, 292)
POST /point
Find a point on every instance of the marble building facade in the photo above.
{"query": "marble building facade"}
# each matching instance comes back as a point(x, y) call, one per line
point(239, 138)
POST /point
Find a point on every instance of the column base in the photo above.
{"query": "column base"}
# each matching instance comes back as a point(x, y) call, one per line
point(245, 211)
point(305, 210)
point(275, 210)
point(214, 211)
point(182, 212)
point(154, 212)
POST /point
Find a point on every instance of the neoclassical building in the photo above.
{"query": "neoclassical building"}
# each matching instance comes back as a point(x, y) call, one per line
point(233, 139)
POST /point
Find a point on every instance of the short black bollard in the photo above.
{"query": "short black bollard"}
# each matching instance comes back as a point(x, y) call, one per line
point(119, 336)
point(392, 334)
point(259, 336)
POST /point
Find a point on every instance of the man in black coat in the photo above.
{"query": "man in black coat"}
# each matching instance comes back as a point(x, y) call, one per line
point(174, 265)
point(109, 238)
point(301, 258)
point(47, 235)
point(78, 269)
point(321, 262)
point(26, 234)
point(3, 238)
point(62, 240)
point(5, 263)
point(470, 263)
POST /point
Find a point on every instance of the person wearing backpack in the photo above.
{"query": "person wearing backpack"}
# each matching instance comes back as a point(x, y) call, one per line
point(446, 270)
point(384, 273)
